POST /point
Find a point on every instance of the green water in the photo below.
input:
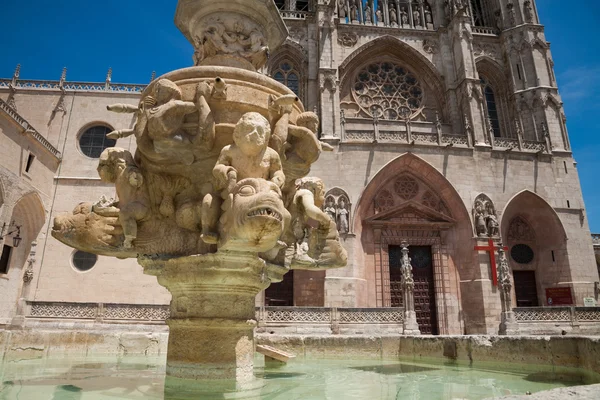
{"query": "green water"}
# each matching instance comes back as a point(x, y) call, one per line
point(143, 378)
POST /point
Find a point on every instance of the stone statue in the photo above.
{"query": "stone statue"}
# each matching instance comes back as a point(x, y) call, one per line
point(342, 9)
point(379, 14)
point(215, 202)
point(116, 166)
point(403, 16)
point(342, 216)
point(353, 12)
point(492, 225)
point(330, 208)
point(368, 17)
point(417, 16)
point(480, 219)
point(393, 15)
point(527, 11)
point(428, 16)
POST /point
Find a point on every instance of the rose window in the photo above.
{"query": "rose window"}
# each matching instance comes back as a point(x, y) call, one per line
point(384, 201)
point(406, 187)
point(388, 91)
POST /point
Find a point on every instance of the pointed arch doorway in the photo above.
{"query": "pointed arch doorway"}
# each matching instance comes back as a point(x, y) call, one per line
point(409, 200)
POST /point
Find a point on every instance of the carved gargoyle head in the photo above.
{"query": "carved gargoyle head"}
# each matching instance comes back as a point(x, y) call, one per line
point(254, 217)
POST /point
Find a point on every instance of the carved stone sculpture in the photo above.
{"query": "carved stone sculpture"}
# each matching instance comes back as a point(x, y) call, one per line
point(368, 17)
point(215, 202)
point(411, 327)
point(484, 216)
point(393, 15)
point(527, 11)
point(342, 9)
point(417, 16)
point(508, 323)
point(404, 16)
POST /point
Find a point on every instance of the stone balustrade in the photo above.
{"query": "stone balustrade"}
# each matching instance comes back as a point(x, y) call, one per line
point(555, 320)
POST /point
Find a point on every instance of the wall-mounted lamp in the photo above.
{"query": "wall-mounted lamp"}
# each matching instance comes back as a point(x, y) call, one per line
point(11, 228)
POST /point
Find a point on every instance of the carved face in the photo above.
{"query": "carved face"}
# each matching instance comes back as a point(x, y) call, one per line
point(251, 134)
point(254, 218)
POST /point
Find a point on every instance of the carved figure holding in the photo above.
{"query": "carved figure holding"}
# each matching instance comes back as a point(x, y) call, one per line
point(480, 219)
point(342, 216)
point(248, 157)
point(403, 16)
point(117, 166)
point(330, 208)
point(417, 16)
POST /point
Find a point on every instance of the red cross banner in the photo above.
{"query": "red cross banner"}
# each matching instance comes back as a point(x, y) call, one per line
point(492, 248)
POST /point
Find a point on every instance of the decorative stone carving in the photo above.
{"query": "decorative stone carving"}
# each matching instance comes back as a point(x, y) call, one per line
point(404, 16)
point(406, 187)
point(484, 216)
point(384, 201)
point(328, 80)
point(337, 206)
point(388, 91)
point(520, 231)
point(342, 9)
point(205, 204)
point(508, 323)
point(393, 14)
point(411, 327)
point(527, 11)
point(348, 39)
point(430, 46)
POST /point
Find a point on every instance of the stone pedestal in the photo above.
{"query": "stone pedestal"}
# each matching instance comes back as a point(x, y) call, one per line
point(411, 327)
point(508, 324)
point(212, 318)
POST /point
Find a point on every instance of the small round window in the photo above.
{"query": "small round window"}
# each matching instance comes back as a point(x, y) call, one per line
point(93, 141)
point(522, 253)
point(83, 261)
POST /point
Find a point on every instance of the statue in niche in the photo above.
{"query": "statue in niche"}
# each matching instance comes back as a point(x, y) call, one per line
point(117, 166)
point(480, 217)
point(493, 225)
point(528, 11)
point(428, 16)
point(368, 17)
point(393, 15)
point(417, 16)
point(353, 12)
point(342, 11)
point(330, 208)
point(404, 16)
point(342, 216)
point(379, 14)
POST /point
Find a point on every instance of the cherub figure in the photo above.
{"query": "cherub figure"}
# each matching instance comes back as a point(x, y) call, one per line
point(248, 157)
point(117, 166)
point(307, 203)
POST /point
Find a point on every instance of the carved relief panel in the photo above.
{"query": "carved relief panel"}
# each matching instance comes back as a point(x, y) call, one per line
point(484, 217)
point(337, 206)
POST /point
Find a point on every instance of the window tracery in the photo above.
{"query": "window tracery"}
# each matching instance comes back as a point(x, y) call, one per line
point(491, 107)
point(286, 74)
point(384, 201)
point(406, 187)
point(388, 91)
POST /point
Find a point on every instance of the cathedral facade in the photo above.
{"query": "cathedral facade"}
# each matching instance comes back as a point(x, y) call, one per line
point(449, 136)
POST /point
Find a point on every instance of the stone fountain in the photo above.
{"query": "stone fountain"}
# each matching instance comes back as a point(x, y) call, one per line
point(215, 202)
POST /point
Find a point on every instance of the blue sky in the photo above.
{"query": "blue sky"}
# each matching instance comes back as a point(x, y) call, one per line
point(137, 37)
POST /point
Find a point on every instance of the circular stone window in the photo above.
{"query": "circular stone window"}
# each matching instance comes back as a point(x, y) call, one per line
point(83, 261)
point(522, 253)
point(93, 141)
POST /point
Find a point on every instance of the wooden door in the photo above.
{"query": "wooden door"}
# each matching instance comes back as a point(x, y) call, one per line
point(422, 262)
point(396, 297)
point(281, 293)
point(526, 288)
point(425, 307)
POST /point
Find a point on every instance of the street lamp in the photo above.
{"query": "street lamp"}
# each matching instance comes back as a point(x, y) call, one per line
point(17, 229)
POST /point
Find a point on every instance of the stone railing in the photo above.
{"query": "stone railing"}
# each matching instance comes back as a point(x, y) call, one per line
point(29, 130)
point(485, 30)
point(330, 319)
point(292, 14)
point(99, 312)
point(555, 320)
point(73, 86)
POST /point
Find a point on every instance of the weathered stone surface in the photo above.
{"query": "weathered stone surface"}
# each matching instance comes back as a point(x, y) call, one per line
point(591, 392)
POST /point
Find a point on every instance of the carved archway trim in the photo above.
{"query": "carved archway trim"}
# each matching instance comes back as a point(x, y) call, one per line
point(30, 210)
point(429, 219)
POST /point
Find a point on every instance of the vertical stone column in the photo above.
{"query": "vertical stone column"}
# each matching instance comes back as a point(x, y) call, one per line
point(508, 324)
point(411, 327)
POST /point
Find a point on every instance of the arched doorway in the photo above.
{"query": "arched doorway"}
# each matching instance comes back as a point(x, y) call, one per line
point(409, 200)
point(537, 250)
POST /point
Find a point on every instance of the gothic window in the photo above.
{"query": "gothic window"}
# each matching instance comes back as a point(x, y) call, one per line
point(491, 107)
point(292, 5)
point(388, 91)
point(477, 11)
point(289, 76)
point(93, 141)
point(522, 253)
